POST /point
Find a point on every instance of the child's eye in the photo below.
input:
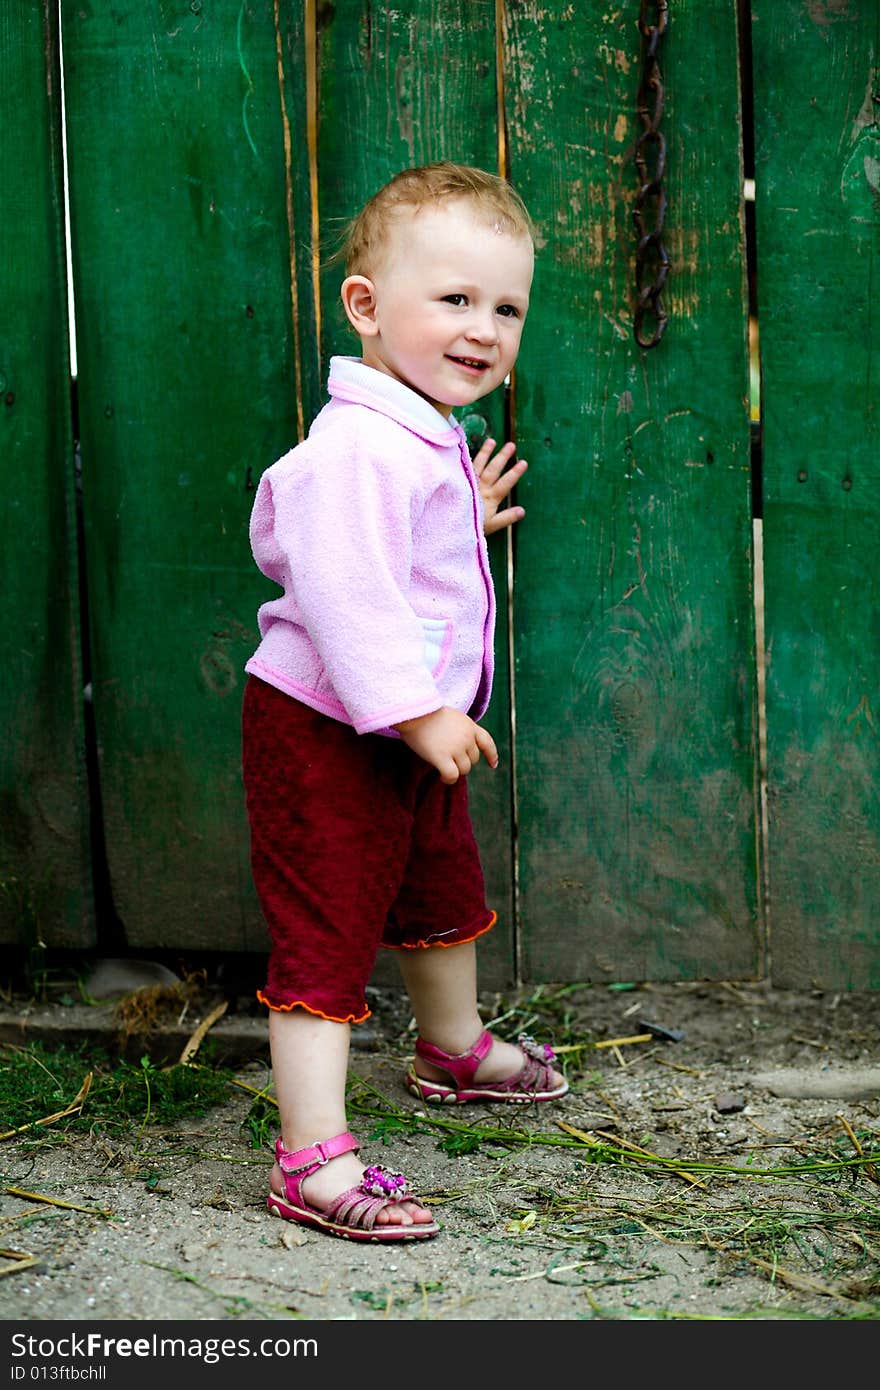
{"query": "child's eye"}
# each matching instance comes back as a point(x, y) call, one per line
point(455, 299)
point(508, 311)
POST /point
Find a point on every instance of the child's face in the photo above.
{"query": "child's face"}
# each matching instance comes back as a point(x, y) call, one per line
point(449, 304)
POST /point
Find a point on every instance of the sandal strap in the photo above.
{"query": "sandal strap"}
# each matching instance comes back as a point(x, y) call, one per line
point(314, 1156)
point(462, 1066)
point(357, 1209)
point(535, 1076)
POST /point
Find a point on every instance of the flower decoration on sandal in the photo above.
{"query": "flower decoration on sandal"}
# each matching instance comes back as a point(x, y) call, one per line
point(541, 1052)
point(383, 1182)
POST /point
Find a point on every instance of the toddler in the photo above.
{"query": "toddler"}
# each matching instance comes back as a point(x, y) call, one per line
point(361, 710)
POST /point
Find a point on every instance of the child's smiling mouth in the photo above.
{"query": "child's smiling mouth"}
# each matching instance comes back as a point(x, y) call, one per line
point(474, 364)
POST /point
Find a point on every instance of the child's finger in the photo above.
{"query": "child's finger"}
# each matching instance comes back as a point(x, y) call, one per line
point(508, 481)
point(495, 466)
point(486, 744)
point(490, 467)
point(483, 454)
point(508, 517)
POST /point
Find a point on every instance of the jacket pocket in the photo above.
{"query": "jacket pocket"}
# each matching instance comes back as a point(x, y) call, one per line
point(438, 644)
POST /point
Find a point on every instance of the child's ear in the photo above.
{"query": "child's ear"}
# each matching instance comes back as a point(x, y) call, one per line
point(359, 301)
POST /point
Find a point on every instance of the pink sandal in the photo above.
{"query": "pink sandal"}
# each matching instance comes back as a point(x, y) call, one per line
point(532, 1083)
point(353, 1214)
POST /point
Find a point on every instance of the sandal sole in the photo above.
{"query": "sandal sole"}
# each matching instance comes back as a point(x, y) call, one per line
point(278, 1207)
point(434, 1094)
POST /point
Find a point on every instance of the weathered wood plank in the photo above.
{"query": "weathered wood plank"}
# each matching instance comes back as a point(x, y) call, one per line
point(45, 893)
point(818, 236)
point(633, 617)
point(186, 148)
point(402, 85)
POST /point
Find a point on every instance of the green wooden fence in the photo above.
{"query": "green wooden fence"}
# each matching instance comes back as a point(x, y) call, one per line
point(216, 148)
point(45, 890)
point(817, 89)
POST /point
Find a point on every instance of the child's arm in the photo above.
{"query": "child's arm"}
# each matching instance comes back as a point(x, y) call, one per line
point(495, 484)
point(449, 741)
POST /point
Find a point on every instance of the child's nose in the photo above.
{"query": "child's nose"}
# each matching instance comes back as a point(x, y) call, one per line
point(483, 327)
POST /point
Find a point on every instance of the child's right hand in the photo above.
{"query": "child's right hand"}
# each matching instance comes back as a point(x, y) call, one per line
point(496, 484)
point(450, 741)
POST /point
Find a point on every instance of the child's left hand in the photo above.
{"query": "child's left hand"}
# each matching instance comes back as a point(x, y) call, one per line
point(495, 484)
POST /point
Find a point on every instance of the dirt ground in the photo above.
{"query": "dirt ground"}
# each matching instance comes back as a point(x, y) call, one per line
point(711, 1161)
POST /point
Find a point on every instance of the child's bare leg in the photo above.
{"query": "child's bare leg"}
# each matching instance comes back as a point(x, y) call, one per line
point(309, 1068)
point(441, 982)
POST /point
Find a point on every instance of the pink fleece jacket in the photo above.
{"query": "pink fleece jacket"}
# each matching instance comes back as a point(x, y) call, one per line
point(373, 529)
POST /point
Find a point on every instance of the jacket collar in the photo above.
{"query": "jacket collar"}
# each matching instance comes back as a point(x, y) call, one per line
point(351, 380)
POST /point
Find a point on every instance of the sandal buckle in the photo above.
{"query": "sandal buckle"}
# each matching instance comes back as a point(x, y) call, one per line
point(312, 1157)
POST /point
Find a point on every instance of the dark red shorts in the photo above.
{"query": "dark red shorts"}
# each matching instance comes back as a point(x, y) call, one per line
point(356, 843)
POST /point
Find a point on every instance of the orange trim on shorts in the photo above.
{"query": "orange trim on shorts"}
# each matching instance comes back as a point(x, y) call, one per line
point(300, 1004)
point(427, 945)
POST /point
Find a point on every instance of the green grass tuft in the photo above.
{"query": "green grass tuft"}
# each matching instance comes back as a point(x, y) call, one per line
point(36, 1082)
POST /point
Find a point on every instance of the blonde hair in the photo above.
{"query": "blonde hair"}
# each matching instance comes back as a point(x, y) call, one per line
point(366, 236)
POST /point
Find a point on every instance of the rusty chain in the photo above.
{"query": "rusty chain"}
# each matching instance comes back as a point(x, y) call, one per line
point(652, 260)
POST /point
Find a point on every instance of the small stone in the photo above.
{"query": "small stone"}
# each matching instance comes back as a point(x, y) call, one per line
point(219, 1201)
point(110, 978)
point(727, 1103)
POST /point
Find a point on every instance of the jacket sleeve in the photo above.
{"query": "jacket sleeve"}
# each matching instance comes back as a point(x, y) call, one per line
point(334, 527)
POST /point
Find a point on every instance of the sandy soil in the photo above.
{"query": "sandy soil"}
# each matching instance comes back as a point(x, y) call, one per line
point(717, 1167)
